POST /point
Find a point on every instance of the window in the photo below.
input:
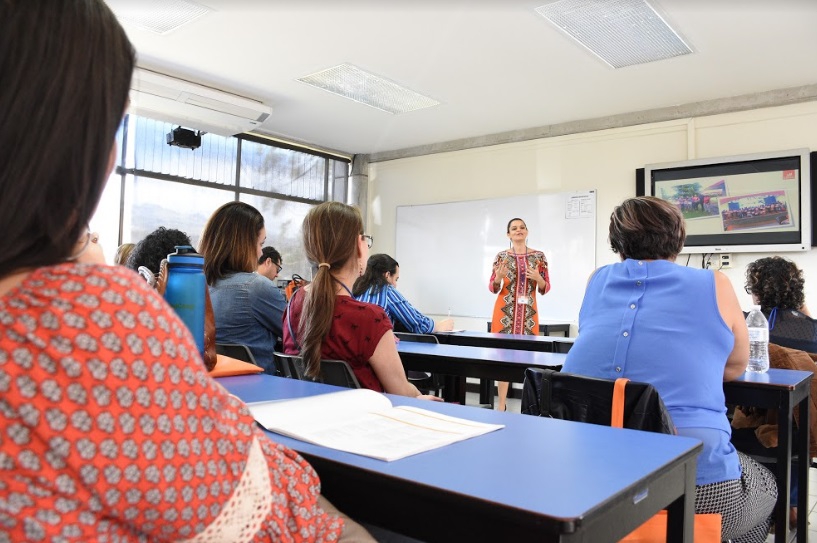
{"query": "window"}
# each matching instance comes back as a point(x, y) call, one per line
point(156, 184)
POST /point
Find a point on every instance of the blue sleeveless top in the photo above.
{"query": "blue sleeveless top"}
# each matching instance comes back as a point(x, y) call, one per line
point(658, 322)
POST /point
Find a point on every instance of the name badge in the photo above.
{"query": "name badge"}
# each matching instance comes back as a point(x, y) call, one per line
point(524, 300)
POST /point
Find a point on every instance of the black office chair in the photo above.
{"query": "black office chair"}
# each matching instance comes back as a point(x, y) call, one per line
point(548, 393)
point(426, 382)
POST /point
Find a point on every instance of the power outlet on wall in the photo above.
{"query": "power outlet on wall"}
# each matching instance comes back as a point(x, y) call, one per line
point(725, 261)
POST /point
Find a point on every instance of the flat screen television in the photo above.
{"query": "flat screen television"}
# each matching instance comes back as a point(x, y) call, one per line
point(740, 204)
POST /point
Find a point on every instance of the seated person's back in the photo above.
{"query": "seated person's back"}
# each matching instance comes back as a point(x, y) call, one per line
point(649, 319)
point(248, 308)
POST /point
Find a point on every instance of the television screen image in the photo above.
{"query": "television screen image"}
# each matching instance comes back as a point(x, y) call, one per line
point(754, 211)
point(749, 203)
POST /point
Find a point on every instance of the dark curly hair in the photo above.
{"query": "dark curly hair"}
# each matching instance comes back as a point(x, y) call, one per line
point(155, 247)
point(775, 282)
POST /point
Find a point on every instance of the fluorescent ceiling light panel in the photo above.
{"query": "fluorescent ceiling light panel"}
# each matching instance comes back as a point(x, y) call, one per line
point(372, 90)
point(619, 32)
point(160, 16)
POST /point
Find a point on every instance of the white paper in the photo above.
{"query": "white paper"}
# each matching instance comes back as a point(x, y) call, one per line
point(363, 421)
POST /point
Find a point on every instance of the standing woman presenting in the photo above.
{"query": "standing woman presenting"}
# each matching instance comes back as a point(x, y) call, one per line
point(518, 273)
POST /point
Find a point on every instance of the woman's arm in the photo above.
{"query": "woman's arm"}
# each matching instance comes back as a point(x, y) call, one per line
point(733, 317)
point(400, 309)
point(500, 271)
point(389, 369)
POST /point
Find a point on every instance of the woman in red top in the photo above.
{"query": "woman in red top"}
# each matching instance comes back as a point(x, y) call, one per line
point(324, 321)
point(112, 429)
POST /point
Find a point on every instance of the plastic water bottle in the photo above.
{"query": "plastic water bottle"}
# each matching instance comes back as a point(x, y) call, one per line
point(758, 341)
point(185, 290)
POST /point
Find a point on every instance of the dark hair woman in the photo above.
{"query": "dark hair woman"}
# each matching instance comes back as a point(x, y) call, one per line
point(777, 285)
point(518, 274)
point(247, 306)
point(324, 321)
point(681, 329)
point(99, 373)
point(378, 285)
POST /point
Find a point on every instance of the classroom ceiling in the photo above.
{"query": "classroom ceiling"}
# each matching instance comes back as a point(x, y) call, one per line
point(495, 66)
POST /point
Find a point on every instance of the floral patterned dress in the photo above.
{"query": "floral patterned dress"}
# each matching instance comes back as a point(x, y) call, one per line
point(113, 431)
point(515, 309)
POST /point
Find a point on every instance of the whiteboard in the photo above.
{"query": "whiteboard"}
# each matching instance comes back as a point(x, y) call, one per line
point(446, 251)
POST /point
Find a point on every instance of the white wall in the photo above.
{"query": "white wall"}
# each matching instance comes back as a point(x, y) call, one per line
point(605, 161)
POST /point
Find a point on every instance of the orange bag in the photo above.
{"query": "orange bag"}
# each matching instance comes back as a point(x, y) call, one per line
point(707, 526)
point(296, 283)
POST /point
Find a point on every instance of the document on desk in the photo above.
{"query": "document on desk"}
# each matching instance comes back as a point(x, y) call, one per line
point(364, 422)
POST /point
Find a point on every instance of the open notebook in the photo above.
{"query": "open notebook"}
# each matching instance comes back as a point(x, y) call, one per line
point(364, 422)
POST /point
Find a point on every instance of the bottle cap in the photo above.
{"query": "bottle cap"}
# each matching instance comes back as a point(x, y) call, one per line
point(185, 254)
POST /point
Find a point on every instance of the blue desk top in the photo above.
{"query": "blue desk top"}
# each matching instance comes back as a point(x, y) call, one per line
point(463, 353)
point(554, 468)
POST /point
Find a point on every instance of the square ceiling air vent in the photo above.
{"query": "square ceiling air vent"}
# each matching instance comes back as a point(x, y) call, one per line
point(620, 32)
point(378, 92)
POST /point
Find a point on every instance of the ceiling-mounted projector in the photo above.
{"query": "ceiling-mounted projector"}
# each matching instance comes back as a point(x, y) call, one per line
point(182, 137)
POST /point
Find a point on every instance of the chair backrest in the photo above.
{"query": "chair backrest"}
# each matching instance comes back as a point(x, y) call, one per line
point(290, 365)
point(338, 373)
point(237, 351)
point(333, 372)
point(417, 338)
point(547, 393)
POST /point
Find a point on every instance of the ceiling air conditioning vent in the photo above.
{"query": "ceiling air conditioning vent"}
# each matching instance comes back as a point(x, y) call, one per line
point(180, 102)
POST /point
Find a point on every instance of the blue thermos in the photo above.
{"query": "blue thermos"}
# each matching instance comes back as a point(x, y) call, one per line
point(185, 290)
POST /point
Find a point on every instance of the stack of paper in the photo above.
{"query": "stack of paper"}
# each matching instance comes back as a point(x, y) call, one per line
point(364, 422)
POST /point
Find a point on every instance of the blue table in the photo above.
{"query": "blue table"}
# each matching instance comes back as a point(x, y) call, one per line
point(778, 389)
point(480, 362)
point(537, 479)
point(519, 342)
point(782, 390)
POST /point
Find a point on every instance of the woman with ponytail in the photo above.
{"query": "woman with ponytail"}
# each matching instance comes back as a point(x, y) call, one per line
point(324, 321)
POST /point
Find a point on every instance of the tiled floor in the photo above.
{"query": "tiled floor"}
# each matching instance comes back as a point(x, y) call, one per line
point(514, 405)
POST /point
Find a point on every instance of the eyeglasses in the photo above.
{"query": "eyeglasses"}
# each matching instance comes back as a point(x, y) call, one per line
point(369, 239)
point(748, 289)
point(280, 267)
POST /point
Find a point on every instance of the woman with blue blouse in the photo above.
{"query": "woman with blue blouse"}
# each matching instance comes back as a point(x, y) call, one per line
point(680, 329)
point(378, 285)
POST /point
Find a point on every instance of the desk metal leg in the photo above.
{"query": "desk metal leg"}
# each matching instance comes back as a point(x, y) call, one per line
point(803, 466)
point(681, 512)
point(783, 471)
point(486, 392)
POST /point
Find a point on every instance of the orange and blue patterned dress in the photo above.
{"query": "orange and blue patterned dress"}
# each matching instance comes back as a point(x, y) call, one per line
point(510, 317)
point(112, 429)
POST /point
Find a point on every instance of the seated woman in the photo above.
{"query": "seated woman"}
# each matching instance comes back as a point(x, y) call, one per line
point(112, 429)
point(324, 321)
point(776, 284)
point(378, 285)
point(248, 307)
point(681, 329)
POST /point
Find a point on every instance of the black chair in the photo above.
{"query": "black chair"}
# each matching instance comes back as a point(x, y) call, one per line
point(338, 373)
point(333, 372)
point(289, 365)
point(425, 382)
point(237, 351)
point(548, 393)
